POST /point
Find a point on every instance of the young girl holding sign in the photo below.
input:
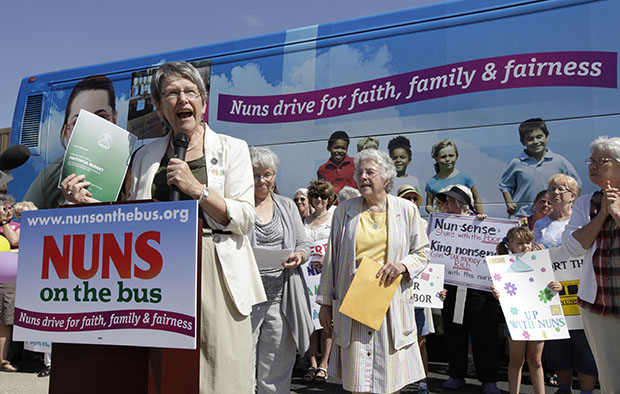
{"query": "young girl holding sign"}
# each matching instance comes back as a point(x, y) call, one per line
point(519, 240)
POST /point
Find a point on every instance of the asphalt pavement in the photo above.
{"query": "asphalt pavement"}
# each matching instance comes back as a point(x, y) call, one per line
point(27, 382)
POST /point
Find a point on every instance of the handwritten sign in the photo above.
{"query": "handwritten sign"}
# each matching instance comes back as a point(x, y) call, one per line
point(462, 242)
point(567, 270)
point(532, 311)
point(426, 287)
point(312, 275)
point(113, 274)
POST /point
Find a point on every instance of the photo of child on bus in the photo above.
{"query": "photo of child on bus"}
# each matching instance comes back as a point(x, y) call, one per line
point(528, 173)
point(339, 169)
point(445, 154)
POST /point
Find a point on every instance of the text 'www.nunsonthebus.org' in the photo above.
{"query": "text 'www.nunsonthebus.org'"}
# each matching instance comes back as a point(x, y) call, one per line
point(119, 215)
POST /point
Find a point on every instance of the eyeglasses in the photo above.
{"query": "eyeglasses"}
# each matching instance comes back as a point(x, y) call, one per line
point(266, 176)
point(558, 189)
point(321, 196)
point(298, 199)
point(173, 95)
point(370, 173)
point(599, 162)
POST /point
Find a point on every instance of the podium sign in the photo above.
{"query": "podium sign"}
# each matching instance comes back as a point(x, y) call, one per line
point(113, 274)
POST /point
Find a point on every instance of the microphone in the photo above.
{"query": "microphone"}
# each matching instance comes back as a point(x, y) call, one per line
point(180, 147)
point(14, 157)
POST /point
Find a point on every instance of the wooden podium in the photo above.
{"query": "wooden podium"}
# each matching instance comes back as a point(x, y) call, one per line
point(105, 369)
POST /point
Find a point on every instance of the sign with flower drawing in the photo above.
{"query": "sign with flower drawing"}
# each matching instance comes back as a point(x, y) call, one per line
point(533, 312)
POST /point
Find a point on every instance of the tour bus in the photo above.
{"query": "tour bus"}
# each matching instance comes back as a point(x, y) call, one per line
point(465, 71)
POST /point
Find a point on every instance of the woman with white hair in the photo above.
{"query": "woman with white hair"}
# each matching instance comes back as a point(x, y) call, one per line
point(593, 231)
point(565, 355)
point(283, 323)
point(389, 230)
point(300, 198)
point(480, 317)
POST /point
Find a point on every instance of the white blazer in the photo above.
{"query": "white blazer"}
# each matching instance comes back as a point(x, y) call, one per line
point(229, 173)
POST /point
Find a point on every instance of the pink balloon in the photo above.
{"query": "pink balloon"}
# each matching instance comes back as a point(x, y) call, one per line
point(8, 267)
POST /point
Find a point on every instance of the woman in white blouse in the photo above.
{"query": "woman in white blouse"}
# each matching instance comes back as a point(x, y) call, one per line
point(565, 355)
point(318, 225)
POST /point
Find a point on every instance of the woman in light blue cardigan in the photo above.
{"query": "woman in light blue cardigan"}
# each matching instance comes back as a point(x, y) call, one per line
point(283, 323)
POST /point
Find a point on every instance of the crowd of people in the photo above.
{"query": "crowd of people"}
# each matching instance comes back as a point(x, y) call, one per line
point(362, 206)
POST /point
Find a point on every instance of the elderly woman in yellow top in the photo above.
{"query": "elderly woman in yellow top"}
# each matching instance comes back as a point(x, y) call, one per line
point(387, 229)
point(216, 172)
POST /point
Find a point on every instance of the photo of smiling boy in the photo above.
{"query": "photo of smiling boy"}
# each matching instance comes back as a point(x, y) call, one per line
point(339, 169)
point(529, 172)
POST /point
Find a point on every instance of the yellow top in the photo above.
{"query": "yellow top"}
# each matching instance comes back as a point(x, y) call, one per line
point(371, 239)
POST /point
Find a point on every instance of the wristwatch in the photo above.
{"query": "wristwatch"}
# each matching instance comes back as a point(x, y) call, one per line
point(3, 222)
point(204, 194)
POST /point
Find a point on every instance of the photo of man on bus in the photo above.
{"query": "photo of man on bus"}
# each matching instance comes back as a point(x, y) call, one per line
point(95, 94)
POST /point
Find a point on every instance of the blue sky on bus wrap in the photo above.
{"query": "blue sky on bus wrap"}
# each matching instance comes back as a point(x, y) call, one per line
point(39, 37)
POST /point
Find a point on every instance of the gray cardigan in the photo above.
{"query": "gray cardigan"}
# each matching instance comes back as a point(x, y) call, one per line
point(295, 304)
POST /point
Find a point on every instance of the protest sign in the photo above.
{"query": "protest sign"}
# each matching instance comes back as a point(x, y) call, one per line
point(461, 242)
point(532, 311)
point(567, 270)
point(109, 274)
point(426, 287)
point(312, 275)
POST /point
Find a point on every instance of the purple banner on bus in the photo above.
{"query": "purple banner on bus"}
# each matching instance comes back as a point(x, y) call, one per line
point(579, 68)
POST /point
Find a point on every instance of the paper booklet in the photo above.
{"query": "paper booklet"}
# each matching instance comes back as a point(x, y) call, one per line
point(100, 150)
point(366, 300)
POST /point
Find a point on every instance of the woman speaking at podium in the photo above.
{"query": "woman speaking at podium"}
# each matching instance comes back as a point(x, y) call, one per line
point(216, 172)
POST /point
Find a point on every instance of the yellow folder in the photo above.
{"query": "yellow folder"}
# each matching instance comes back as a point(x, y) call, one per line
point(366, 300)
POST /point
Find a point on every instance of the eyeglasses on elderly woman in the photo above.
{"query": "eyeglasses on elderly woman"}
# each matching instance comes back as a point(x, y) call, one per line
point(599, 162)
point(370, 173)
point(173, 95)
point(558, 189)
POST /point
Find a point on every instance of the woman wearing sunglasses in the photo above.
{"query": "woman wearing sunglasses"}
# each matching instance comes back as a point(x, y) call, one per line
point(318, 226)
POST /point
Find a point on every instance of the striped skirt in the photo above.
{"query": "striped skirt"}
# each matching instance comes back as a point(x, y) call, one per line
point(371, 364)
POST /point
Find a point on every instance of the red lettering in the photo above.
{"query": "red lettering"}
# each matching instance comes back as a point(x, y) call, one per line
point(52, 253)
point(149, 254)
point(78, 262)
point(112, 251)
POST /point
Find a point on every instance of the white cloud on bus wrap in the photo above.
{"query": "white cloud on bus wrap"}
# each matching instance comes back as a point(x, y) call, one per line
point(338, 66)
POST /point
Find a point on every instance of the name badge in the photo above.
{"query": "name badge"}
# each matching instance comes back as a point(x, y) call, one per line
point(216, 174)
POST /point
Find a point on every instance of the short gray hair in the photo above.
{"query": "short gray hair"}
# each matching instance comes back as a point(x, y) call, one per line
point(386, 164)
point(264, 157)
point(172, 70)
point(347, 193)
point(302, 190)
point(607, 146)
point(7, 198)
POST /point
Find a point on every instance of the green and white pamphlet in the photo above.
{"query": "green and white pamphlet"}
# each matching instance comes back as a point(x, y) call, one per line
point(100, 150)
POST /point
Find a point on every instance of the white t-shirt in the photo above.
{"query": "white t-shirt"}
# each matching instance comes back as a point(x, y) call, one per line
point(549, 232)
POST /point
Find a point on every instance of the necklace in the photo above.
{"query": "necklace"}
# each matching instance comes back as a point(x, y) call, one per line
point(322, 216)
point(373, 215)
point(192, 146)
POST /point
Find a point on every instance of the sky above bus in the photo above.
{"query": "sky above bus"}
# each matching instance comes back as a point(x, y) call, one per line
point(38, 37)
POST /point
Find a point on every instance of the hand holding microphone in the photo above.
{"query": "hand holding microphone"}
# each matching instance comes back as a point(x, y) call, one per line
point(180, 147)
